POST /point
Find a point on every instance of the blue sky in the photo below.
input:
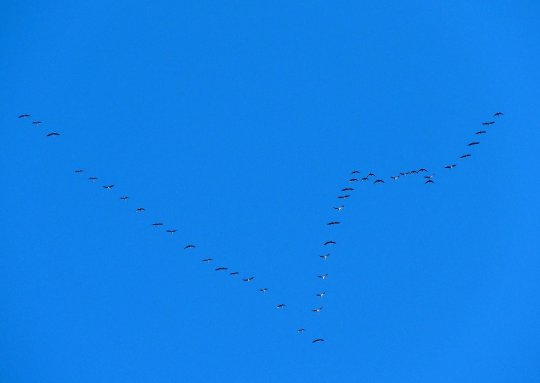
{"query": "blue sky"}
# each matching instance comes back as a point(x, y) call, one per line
point(238, 123)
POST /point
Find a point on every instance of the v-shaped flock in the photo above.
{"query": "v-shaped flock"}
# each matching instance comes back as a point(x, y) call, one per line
point(346, 192)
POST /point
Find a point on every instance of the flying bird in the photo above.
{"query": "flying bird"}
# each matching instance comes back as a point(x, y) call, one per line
point(329, 243)
point(394, 177)
point(157, 224)
point(378, 181)
point(108, 186)
point(52, 134)
point(207, 260)
point(321, 294)
point(324, 256)
point(263, 290)
point(317, 310)
point(353, 179)
point(322, 276)
point(249, 279)
point(301, 330)
point(24, 115)
point(93, 179)
point(189, 247)
point(221, 268)
point(344, 196)
point(364, 178)
point(371, 175)
point(124, 198)
point(422, 170)
point(172, 231)
point(488, 123)
point(498, 114)
point(452, 166)
point(473, 143)
point(318, 340)
point(79, 171)
point(429, 177)
point(465, 156)
point(36, 122)
point(281, 306)
point(140, 209)
point(481, 132)
point(234, 273)
point(347, 189)
point(333, 223)
point(339, 208)
point(355, 172)
point(429, 182)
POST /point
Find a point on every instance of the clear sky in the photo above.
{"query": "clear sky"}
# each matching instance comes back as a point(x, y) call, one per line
point(238, 123)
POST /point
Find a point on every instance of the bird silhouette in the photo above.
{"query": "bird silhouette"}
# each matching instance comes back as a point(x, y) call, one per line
point(321, 294)
point(488, 123)
point(52, 134)
point(344, 196)
point(263, 290)
point(208, 260)
point(189, 247)
point(473, 143)
point(333, 223)
point(465, 156)
point(157, 224)
point(24, 115)
point(318, 340)
point(339, 208)
point(249, 279)
point(481, 132)
point(379, 181)
point(79, 171)
point(140, 209)
point(317, 310)
point(124, 198)
point(498, 114)
point(324, 256)
point(221, 268)
point(281, 306)
point(108, 186)
point(452, 166)
point(171, 231)
point(322, 276)
point(329, 243)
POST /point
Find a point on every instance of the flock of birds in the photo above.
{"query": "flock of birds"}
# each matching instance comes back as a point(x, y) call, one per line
point(346, 192)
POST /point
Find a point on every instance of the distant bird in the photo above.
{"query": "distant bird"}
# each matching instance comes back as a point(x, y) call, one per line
point(301, 330)
point(394, 177)
point(234, 273)
point(93, 179)
point(263, 290)
point(429, 177)
point(371, 175)
point(52, 134)
point(498, 114)
point(36, 122)
point(171, 231)
point(365, 178)
point(329, 243)
point(322, 276)
point(189, 247)
point(324, 256)
point(140, 209)
point(353, 179)
point(318, 340)
point(208, 260)
point(488, 123)
point(414, 171)
point(355, 172)
point(465, 156)
point(317, 310)
point(108, 186)
point(452, 166)
point(157, 224)
point(473, 143)
point(339, 208)
point(378, 181)
point(249, 279)
point(344, 196)
point(347, 189)
point(321, 294)
point(124, 198)
point(422, 170)
point(481, 132)
point(24, 115)
point(429, 182)
point(281, 306)
point(221, 268)
point(333, 223)
point(79, 171)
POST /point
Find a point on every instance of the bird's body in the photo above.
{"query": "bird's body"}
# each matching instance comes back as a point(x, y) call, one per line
point(321, 294)
point(140, 209)
point(322, 276)
point(124, 198)
point(481, 132)
point(429, 182)
point(52, 134)
point(339, 208)
point(317, 310)
point(171, 231)
point(365, 178)
point(318, 340)
point(347, 189)
point(329, 243)
point(422, 170)
point(208, 260)
point(221, 268)
point(324, 256)
point(93, 179)
point(234, 273)
point(394, 177)
point(281, 306)
point(353, 179)
point(451, 166)
point(263, 290)
point(498, 114)
point(36, 122)
point(189, 247)
point(344, 196)
point(249, 279)
point(465, 156)
point(379, 181)
point(24, 115)
point(487, 123)
point(157, 224)
point(355, 172)
point(333, 223)
point(79, 171)
point(108, 186)
point(474, 143)
point(301, 330)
